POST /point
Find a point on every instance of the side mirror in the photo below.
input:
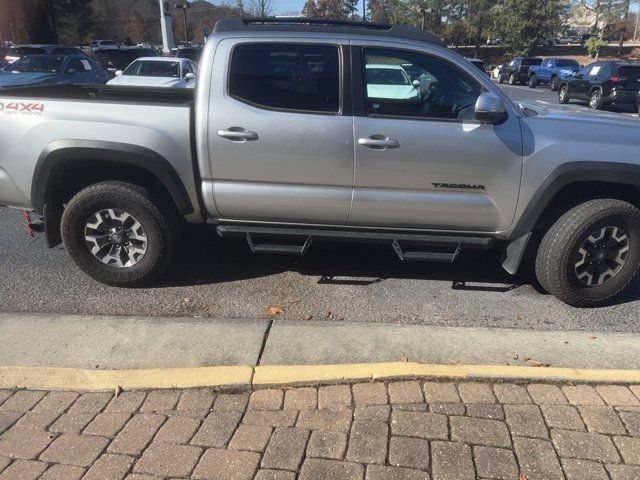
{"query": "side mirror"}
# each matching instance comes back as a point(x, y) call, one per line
point(189, 76)
point(416, 83)
point(72, 71)
point(118, 73)
point(490, 109)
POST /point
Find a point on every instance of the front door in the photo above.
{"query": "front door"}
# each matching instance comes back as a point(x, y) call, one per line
point(281, 142)
point(422, 160)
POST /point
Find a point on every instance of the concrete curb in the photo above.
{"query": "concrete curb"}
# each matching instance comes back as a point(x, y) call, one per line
point(244, 377)
point(102, 353)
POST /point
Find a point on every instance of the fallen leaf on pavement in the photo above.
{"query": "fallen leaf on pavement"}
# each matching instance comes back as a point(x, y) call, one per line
point(293, 302)
point(328, 315)
point(519, 317)
point(309, 317)
point(275, 310)
point(455, 360)
point(535, 363)
point(118, 391)
point(522, 477)
point(592, 337)
point(405, 359)
point(514, 355)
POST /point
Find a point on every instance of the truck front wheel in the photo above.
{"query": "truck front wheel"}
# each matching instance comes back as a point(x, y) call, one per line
point(555, 83)
point(592, 253)
point(533, 81)
point(119, 234)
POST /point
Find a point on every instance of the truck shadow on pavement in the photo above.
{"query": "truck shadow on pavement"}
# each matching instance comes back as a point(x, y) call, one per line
point(209, 259)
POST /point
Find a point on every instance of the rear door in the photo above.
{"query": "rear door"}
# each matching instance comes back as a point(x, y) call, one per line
point(581, 85)
point(281, 131)
point(422, 160)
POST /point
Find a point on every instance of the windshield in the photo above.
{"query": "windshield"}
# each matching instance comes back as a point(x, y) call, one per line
point(190, 53)
point(37, 63)
point(149, 68)
point(531, 61)
point(630, 72)
point(567, 63)
point(386, 76)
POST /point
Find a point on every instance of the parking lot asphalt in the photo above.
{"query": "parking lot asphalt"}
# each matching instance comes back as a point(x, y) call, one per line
point(216, 277)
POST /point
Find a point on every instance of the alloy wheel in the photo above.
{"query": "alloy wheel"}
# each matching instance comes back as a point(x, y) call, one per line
point(115, 238)
point(602, 256)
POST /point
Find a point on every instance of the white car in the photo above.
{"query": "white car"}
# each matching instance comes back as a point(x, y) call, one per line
point(390, 81)
point(158, 72)
point(104, 45)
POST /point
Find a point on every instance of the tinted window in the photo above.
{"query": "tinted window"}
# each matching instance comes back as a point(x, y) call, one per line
point(37, 63)
point(190, 53)
point(531, 61)
point(630, 72)
point(291, 77)
point(441, 90)
point(65, 51)
point(75, 64)
point(19, 51)
point(567, 63)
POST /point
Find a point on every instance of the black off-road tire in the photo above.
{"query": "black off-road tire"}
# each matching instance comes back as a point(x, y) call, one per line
point(159, 220)
point(513, 80)
point(595, 100)
point(533, 81)
point(555, 84)
point(500, 79)
point(558, 251)
point(563, 94)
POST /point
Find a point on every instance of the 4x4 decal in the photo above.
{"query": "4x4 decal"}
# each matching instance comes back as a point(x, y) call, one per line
point(22, 108)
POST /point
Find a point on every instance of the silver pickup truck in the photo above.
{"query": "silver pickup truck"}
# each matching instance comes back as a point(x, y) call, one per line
point(303, 130)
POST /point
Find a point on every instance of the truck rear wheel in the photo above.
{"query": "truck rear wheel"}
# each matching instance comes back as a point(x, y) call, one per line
point(118, 234)
point(592, 253)
point(563, 94)
point(555, 84)
point(512, 79)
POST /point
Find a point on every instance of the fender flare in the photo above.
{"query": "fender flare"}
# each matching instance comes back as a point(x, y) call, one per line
point(59, 152)
point(565, 175)
point(561, 177)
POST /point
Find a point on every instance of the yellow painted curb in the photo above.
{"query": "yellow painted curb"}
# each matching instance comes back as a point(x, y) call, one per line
point(300, 374)
point(54, 378)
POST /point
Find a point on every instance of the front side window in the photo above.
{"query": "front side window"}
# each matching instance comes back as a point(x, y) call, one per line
point(37, 63)
point(435, 88)
point(287, 76)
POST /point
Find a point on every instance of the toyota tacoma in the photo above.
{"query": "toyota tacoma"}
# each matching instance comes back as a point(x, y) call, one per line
point(289, 138)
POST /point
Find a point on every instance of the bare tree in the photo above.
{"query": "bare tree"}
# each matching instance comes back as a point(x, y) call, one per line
point(260, 8)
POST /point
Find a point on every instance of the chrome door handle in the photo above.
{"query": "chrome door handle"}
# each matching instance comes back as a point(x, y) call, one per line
point(238, 134)
point(379, 142)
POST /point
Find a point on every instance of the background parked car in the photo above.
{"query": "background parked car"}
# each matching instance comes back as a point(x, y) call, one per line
point(19, 51)
point(192, 53)
point(158, 72)
point(48, 69)
point(3, 64)
point(119, 59)
point(478, 63)
point(603, 84)
point(552, 71)
point(391, 81)
point(518, 70)
point(103, 44)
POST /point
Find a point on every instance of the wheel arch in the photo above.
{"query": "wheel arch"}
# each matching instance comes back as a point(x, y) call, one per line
point(565, 187)
point(67, 166)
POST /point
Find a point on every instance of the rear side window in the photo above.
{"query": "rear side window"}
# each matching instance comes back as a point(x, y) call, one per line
point(630, 72)
point(287, 76)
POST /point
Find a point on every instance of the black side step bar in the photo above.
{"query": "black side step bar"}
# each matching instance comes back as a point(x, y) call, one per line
point(434, 248)
point(425, 256)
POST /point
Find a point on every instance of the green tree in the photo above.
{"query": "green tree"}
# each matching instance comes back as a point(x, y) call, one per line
point(524, 23)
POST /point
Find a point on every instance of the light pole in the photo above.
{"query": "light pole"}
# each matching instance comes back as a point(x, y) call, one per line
point(184, 7)
point(424, 12)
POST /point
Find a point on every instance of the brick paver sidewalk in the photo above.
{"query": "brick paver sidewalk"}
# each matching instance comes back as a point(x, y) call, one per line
point(372, 431)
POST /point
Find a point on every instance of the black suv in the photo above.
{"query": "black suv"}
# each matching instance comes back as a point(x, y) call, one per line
point(603, 84)
point(118, 59)
point(518, 70)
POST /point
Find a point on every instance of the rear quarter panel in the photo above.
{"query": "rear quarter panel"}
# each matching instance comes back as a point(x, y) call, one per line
point(27, 132)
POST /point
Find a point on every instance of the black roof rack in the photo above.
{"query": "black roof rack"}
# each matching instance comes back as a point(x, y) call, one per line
point(288, 24)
